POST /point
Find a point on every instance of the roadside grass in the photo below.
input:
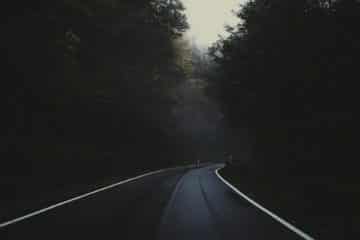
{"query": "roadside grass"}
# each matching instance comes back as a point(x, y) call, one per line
point(325, 207)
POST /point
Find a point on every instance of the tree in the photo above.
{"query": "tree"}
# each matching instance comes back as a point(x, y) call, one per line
point(286, 78)
point(89, 87)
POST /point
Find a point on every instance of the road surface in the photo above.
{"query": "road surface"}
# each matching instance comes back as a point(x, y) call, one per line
point(177, 204)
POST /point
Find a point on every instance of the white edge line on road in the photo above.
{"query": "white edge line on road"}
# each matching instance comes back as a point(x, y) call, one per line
point(257, 205)
point(38, 212)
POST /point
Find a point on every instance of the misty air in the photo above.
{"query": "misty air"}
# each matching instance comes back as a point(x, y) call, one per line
point(180, 119)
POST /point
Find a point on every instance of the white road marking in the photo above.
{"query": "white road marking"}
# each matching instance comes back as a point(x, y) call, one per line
point(263, 209)
point(38, 212)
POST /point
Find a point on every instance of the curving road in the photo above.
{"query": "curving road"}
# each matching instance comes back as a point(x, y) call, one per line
point(203, 207)
point(176, 204)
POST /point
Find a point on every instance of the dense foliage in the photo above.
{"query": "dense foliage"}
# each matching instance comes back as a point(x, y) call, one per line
point(87, 86)
point(289, 78)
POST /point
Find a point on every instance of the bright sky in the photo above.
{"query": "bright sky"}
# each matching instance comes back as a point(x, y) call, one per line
point(207, 18)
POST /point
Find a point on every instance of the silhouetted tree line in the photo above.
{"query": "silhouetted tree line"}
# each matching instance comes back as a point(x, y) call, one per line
point(289, 73)
point(87, 87)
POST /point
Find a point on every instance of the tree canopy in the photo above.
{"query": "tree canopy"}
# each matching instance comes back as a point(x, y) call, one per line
point(289, 76)
point(88, 84)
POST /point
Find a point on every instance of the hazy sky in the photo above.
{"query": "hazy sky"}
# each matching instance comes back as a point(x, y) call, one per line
point(208, 17)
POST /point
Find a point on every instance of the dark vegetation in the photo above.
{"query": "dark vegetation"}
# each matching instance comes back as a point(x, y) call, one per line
point(88, 91)
point(288, 77)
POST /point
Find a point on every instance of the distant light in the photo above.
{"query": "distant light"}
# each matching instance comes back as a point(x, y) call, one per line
point(207, 19)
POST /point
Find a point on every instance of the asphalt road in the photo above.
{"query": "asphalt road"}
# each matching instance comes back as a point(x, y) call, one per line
point(177, 204)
